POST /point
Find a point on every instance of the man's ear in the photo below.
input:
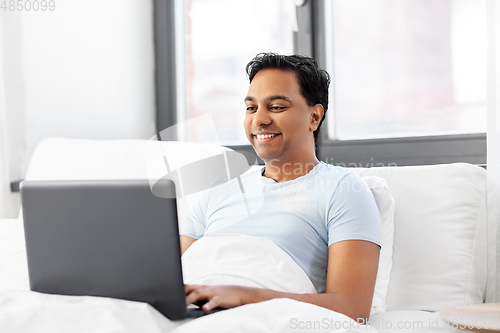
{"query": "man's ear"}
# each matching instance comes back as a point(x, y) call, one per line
point(316, 116)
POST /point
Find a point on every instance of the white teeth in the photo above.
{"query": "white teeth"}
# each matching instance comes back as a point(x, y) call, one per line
point(264, 136)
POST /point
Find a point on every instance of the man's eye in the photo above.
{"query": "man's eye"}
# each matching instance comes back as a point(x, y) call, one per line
point(250, 109)
point(277, 108)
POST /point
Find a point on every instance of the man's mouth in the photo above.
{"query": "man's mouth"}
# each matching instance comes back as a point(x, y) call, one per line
point(265, 137)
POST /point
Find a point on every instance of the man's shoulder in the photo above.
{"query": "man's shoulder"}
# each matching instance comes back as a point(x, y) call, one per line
point(330, 178)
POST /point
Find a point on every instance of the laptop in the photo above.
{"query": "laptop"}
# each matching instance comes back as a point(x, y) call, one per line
point(110, 238)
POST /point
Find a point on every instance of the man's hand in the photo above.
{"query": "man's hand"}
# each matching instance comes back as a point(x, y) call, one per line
point(216, 296)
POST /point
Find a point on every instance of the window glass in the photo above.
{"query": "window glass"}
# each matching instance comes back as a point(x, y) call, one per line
point(220, 37)
point(406, 67)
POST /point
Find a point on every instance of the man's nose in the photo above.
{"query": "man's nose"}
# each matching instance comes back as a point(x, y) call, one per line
point(261, 118)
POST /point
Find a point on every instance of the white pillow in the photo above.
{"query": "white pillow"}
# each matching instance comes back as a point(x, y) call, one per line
point(440, 235)
point(85, 159)
point(386, 206)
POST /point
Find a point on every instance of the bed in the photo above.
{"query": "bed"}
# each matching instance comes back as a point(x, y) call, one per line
point(442, 251)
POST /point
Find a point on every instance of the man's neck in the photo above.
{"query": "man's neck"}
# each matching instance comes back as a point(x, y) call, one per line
point(284, 171)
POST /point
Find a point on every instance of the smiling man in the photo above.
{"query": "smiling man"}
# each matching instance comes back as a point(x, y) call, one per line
point(280, 126)
point(324, 217)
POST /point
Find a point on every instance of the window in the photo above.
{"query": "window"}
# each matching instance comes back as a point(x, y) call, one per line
point(406, 67)
point(408, 76)
point(220, 37)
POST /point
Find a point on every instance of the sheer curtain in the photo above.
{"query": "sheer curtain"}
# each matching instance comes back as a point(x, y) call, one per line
point(493, 142)
point(6, 198)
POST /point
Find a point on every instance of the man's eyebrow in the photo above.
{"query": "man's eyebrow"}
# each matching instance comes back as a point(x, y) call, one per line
point(271, 98)
point(283, 97)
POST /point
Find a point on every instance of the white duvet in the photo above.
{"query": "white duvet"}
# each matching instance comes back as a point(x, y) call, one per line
point(25, 311)
point(22, 310)
point(229, 259)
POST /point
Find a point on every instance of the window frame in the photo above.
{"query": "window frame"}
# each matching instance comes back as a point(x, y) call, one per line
point(310, 40)
point(164, 26)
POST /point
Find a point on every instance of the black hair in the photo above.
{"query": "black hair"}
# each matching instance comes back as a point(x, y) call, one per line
point(313, 81)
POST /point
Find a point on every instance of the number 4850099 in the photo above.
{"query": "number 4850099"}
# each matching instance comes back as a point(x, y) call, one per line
point(28, 5)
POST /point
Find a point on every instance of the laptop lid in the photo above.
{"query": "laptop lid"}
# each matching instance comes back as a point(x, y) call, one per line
point(110, 238)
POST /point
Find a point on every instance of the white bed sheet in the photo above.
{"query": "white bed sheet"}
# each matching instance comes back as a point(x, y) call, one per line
point(13, 265)
point(22, 310)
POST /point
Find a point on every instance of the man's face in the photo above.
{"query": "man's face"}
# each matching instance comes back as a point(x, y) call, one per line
point(279, 123)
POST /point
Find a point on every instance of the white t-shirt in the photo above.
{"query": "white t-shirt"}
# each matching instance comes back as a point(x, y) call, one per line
point(303, 216)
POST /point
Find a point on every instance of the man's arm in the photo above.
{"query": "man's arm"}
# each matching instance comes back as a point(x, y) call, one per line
point(186, 242)
point(352, 270)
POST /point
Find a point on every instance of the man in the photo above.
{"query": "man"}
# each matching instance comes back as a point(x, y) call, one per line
point(332, 232)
